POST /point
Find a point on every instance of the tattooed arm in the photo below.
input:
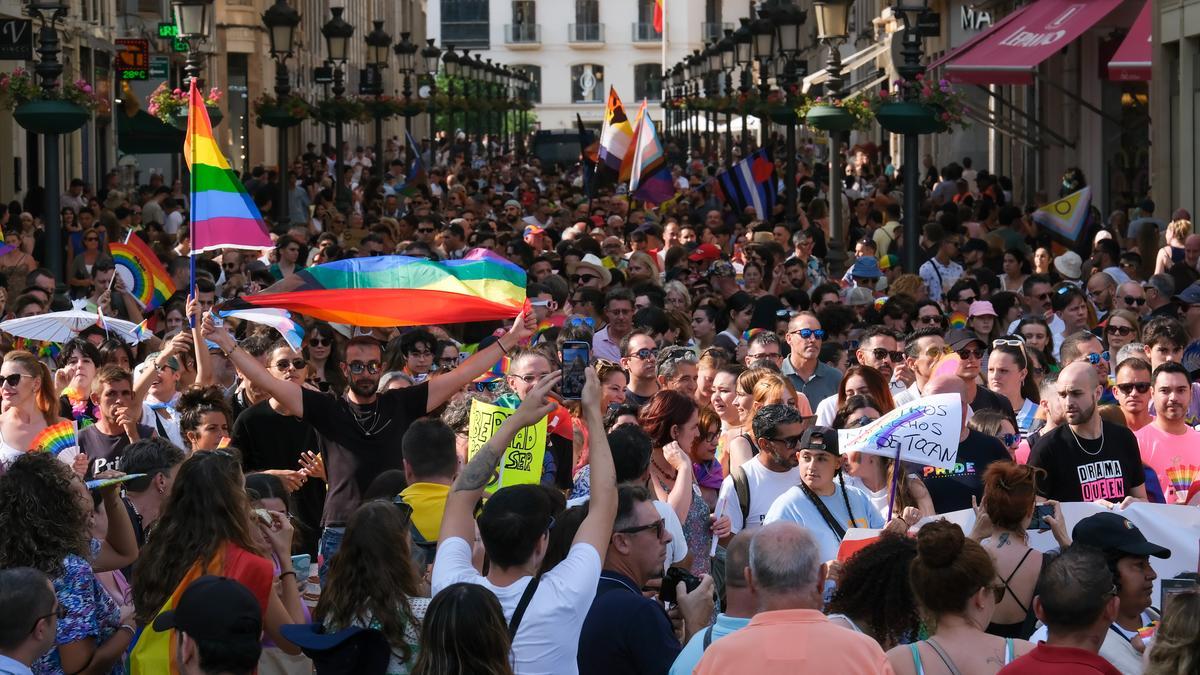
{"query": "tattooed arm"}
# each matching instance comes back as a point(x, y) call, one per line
point(458, 521)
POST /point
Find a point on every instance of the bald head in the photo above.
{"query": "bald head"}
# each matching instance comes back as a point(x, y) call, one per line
point(949, 384)
point(737, 558)
point(785, 563)
point(1078, 390)
point(1079, 374)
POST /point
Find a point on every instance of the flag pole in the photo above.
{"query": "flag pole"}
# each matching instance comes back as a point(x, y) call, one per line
point(192, 192)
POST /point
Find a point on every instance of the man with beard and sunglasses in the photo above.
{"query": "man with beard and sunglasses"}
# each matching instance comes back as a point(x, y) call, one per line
point(358, 434)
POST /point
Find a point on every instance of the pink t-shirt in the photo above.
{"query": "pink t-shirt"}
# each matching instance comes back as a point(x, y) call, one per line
point(1175, 458)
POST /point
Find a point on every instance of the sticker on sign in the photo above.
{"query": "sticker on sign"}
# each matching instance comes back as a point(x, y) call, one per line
point(922, 432)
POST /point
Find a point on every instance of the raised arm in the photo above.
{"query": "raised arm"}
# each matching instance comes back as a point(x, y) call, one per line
point(442, 387)
point(204, 370)
point(142, 381)
point(457, 520)
point(287, 393)
point(596, 528)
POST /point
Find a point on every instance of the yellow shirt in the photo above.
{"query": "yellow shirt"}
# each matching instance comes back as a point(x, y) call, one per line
point(428, 501)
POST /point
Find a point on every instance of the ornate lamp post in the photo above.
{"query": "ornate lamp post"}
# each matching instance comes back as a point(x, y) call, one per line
point(451, 65)
point(406, 54)
point(281, 22)
point(728, 59)
point(191, 19)
point(337, 32)
point(789, 21)
point(911, 12)
point(379, 43)
point(743, 56)
point(432, 57)
point(764, 48)
point(833, 26)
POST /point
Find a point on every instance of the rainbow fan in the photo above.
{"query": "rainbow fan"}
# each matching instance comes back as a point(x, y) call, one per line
point(1182, 476)
point(56, 439)
point(958, 320)
point(494, 374)
point(880, 302)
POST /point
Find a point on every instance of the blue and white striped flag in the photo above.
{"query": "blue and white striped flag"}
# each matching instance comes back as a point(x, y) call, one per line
point(750, 183)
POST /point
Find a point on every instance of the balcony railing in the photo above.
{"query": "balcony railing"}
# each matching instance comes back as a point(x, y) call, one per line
point(585, 32)
point(523, 34)
point(644, 32)
point(710, 31)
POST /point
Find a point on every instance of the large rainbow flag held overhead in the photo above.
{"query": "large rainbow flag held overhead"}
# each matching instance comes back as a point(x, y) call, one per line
point(398, 290)
point(223, 214)
point(145, 277)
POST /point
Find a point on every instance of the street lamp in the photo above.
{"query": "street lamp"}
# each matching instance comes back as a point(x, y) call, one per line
point(451, 66)
point(764, 46)
point(281, 22)
point(191, 21)
point(48, 69)
point(743, 49)
point(337, 32)
point(479, 74)
point(833, 27)
point(406, 54)
point(911, 12)
point(379, 43)
point(788, 20)
point(728, 57)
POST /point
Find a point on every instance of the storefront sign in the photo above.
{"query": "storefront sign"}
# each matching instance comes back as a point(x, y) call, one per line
point(159, 66)
point(966, 22)
point(133, 59)
point(16, 40)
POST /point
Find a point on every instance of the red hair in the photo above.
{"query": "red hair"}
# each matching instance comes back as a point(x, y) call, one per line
point(665, 410)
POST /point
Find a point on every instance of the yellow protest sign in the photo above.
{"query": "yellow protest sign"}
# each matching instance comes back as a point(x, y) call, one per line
point(522, 461)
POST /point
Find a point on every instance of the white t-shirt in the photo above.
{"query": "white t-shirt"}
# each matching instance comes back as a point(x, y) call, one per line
point(172, 222)
point(795, 506)
point(826, 411)
point(547, 640)
point(169, 424)
point(765, 487)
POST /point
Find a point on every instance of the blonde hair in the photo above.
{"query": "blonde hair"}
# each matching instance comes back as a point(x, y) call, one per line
point(1176, 646)
point(646, 260)
point(1178, 230)
point(47, 400)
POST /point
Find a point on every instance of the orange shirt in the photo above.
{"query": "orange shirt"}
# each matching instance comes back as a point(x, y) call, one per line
point(794, 641)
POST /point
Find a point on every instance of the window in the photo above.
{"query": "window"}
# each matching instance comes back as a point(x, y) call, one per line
point(587, 26)
point(524, 12)
point(535, 84)
point(643, 30)
point(712, 11)
point(647, 82)
point(587, 83)
point(465, 23)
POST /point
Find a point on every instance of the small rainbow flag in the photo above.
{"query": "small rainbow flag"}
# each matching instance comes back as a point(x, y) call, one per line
point(141, 331)
point(223, 214)
point(1182, 476)
point(55, 439)
point(151, 284)
point(958, 320)
point(880, 302)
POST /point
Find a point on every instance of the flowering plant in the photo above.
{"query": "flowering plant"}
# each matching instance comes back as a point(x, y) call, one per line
point(20, 86)
point(859, 109)
point(345, 109)
point(295, 106)
point(942, 96)
point(167, 103)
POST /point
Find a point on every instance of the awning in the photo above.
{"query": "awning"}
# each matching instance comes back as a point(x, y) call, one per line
point(1131, 63)
point(849, 64)
point(1011, 51)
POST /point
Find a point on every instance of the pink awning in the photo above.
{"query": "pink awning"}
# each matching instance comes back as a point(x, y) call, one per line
point(1012, 50)
point(1131, 63)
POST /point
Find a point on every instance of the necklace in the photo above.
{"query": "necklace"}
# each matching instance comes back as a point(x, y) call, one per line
point(1085, 450)
point(669, 475)
point(368, 422)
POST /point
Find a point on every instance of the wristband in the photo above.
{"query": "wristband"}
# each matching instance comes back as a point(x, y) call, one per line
point(131, 629)
point(502, 349)
point(284, 574)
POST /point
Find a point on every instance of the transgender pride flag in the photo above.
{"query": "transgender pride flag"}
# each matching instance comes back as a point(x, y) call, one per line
point(651, 178)
point(223, 215)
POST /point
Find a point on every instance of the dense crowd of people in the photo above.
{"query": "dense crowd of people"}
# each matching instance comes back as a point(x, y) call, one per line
point(239, 505)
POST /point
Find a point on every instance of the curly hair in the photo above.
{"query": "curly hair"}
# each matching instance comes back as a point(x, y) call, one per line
point(875, 593)
point(208, 508)
point(373, 574)
point(41, 515)
point(197, 402)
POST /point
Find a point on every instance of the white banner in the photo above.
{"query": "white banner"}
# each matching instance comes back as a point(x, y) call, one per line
point(924, 432)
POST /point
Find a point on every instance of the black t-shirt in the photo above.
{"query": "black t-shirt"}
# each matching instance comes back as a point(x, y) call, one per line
point(952, 489)
point(986, 399)
point(104, 451)
point(360, 442)
point(1084, 470)
point(269, 440)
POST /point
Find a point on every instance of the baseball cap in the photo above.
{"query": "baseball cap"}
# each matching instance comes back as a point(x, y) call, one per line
point(888, 261)
point(859, 296)
point(961, 337)
point(722, 268)
point(214, 608)
point(172, 362)
point(819, 438)
point(705, 252)
point(350, 650)
point(534, 229)
point(514, 203)
point(1114, 533)
point(1190, 295)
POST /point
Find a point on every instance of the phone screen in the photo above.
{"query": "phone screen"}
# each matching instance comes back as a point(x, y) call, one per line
point(575, 358)
point(1038, 521)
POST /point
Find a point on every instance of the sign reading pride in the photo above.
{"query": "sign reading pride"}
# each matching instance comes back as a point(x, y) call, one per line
point(922, 432)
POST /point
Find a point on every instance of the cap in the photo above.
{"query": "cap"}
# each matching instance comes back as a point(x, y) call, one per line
point(1069, 264)
point(513, 202)
point(1190, 295)
point(888, 261)
point(960, 337)
point(705, 252)
point(214, 608)
point(350, 650)
point(819, 438)
point(1114, 533)
point(648, 228)
point(981, 308)
point(859, 296)
point(172, 362)
point(866, 267)
point(722, 268)
point(591, 262)
point(534, 229)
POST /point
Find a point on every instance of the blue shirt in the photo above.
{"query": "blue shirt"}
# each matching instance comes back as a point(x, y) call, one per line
point(795, 506)
point(822, 384)
point(686, 662)
point(625, 632)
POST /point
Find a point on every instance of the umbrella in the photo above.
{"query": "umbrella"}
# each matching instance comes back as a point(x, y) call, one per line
point(62, 326)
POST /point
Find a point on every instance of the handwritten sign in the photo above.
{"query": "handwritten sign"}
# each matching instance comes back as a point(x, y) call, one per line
point(16, 40)
point(923, 432)
point(522, 461)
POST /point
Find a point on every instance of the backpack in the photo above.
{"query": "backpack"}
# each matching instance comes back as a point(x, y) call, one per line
point(741, 487)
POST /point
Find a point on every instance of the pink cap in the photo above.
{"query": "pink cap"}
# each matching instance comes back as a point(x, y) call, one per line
point(981, 308)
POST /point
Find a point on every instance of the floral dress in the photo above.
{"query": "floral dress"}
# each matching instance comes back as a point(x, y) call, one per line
point(697, 530)
point(90, 612)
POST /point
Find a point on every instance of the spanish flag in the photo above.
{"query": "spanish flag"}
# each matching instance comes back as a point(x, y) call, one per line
point(658, 15)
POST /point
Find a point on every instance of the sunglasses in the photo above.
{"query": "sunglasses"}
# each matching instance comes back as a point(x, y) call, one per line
point(965, 298)
point(583, 278)
point(320, 342)
point(712, 437)
point(790, 442)
point(1010, 342)
point(425, 230)
point(12, 380)
point(1122, 331)
point(657, 526)
point(1095, 358)
point(298, 364)
point(1127, 388)
point(881, 354)
point(357, 367)
point(581, 320)
point(930, 319)
point(807, 333)
point(491, 386)
point(1010, 439)
point(861, 422)
point(405, 508)
point(1130, 300)
point(970, 354)
point(645, 353)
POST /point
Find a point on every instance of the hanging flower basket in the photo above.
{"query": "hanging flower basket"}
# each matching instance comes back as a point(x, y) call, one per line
point(171, 105)
point(50, 116)
point(836, 114)
point(281, 113)
point(829, 118)
point(179, 118)
point(919, 106)
point(906, 117)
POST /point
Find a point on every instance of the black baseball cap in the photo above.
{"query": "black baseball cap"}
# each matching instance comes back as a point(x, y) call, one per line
point(819, 438)
point(350, 651)
point(1113, 533)
point(215, 608)
point(961, 337)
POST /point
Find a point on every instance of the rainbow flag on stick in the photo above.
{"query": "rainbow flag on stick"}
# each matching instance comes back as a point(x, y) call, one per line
point(145, 277)
point(223, 214)
point(396, 290)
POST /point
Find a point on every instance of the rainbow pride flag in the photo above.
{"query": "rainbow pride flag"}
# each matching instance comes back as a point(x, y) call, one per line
point(151, 284)
point(223, 214)
point(396, 290)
